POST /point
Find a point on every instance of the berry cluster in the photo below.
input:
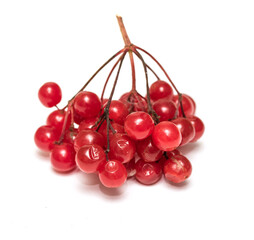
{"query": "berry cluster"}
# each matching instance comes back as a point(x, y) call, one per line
point(117, 139)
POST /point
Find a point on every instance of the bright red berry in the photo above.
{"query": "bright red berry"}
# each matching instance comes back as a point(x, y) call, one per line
point(177, 168)
point(188, 106)
point(117, 128)
point(63, 157)
point(134, 102)
point(50, 94)
point(87, 124)
point(148, 173)
point(148, 151)
point(89, 157)
point(118, 111)
point(139, 125)
point(70, 135)
point(160, 90)
point(113, 174)
point(186, 129)
point(56, 119)
point(166, 136)
point(45, 136)
point(198, 126)
point(122, 148)
point(130, 168)
point(87, 104)
point(165, 109)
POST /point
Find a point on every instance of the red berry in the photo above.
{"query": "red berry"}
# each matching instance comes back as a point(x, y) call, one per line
point(148, 173)
point(165, 109)
point(160, 90)
point(70, 135)
point(198, 126)
point(188, 106)
point(113, 174)
point(148, 151)
point(193, 102)
point(118, 111)
point(45, 136)
point(130, 168)
point(77, 118)
point(87, 104)
point(117, 127)
point(177, 168)
point(166, 136)
point(139, 125)
point(89, 157)
point(63, 157)
point(50, 94)
point(134, 102)
point(87, 124)
point(56, 119)
point(186, 129)
point(88, 137)
point(122, 148)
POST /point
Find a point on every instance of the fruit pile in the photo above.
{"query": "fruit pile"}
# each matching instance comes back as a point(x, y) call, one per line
point(134, 136)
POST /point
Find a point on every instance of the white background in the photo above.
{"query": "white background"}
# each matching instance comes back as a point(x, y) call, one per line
point(206, 47)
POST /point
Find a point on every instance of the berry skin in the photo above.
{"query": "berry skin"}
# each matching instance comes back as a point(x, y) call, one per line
point(63, 157)
point(87, 105)
point(77, 118)
point(186, 128)
point(122, 148)
point(198, 126)
point(130, 168)
point(148, 151)
point(177, 168)
point(88, 137)
point(160, 90)
point(89, 157)
point(148, 173)
point(192, 101)
point(50, 94)
point(70, 135)
point(45, 136)
point(188, 106)
point(139, 125)
point(118, 111)
point(112, 174)
point(87, 124)
point(166, 136)
point(165, 109)
point(56, 119)
point(117, 127)
point(133, 102)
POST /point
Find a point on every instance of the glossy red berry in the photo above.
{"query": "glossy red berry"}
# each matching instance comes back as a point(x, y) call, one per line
point(160, 90)
point(130, 168)
point(188, 106)
point(45, 136)
point(56, 119)
point(165, 109)
point(139, 125)
point(118, 111)
point(50, 94)
point(148, 173)
point(87, 105)
point(63, 157)
point(186, 128)
point(89, 157)
point(88, 137)
point(117, 128)
point(134, 102)
point(177, 168)
point(87, 124)
point(166, 136)
point(198, 126)
point(148, 151)
point(113, 174)
point(193, 102)
point(122, 148)
point(70, 135)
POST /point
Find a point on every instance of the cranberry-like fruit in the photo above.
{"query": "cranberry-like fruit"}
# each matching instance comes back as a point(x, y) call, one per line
point(148, 173)
point(87, 124)
point(160, 90)
point(177, 168)
point(50, 94)
point(198, 126)
point(122, 148)
point(139, 125)
point(186, 129)
point(134, 102)
point(118, 111)
point(113, 174)
point(63, 157)
point(70, 135)
point(117, 127)
point(188, 107)
point(148, 151)
point(89, 157)
point(87, 104)
point(166, 136)
point(130, 168)
point(56, 119)
point(165, 109)
point(45, 136)
point(88, 137)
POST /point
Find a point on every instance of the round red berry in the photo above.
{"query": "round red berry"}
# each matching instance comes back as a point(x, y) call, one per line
point(160, 90)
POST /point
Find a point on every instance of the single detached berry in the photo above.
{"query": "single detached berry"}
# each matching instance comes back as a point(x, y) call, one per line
point(50, 94)
point(177, 169)
point(166, 136)
point(63, 157)
point(139, 125)
point(160, 90)
point(113, 174)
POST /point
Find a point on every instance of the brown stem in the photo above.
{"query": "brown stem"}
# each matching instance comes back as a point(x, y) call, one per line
point(133, 71)
point(123, 31)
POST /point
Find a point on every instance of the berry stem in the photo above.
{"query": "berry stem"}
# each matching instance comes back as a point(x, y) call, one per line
point(133, 71)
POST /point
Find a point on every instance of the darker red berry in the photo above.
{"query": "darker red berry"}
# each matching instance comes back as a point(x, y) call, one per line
point(118, 111)
point(165, 109)
point(188, 106)
point(199, 127)
point(160, 90)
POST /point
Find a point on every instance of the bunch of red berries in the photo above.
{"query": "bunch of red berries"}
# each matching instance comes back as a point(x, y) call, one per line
point(116, 139)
